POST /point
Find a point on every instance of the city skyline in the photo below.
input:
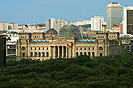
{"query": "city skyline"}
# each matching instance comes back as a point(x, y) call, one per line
point(32, 11)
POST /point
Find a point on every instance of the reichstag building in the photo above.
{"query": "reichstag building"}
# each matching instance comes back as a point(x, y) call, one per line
point(68, 43)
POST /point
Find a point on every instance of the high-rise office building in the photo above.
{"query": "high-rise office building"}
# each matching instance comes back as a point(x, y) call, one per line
point(113, 14)
point(96, 23)
point(128, 20)
point(52, 23)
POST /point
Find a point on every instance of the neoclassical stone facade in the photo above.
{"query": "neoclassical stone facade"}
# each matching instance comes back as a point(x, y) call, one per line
point(52, 45)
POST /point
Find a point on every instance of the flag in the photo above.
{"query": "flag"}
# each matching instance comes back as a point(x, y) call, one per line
point(104, 26)
point(40, 26)
point(115, 26)
point(26, 26)
point(80, 26)
point(41, 53)
point(69, 46)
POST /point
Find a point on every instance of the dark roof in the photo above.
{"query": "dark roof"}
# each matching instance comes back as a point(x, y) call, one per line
point(51, 31)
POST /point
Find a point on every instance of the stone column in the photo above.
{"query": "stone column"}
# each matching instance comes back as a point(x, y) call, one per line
point(53, 51)
point(66, 52)
point(58, 51)
point(62, 51)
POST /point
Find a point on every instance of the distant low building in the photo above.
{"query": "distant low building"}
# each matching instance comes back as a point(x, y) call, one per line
point(8, 26)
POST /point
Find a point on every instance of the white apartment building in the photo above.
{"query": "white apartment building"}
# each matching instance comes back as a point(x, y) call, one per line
point(96, 23)
point(128, 20)
point(84, 22)
point(8, 26)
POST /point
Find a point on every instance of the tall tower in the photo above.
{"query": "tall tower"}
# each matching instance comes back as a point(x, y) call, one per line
point(128, 20)
point(113, 14)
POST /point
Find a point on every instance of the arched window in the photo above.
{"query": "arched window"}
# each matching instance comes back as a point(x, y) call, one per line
point(31, 48)
point(100, 54)
point(76, 54)
point(35, 54)
point(43, 54)
point(47, 54)
point(43, 48)
point(31, 54)
point(85, 48)
point(93, 48)
point(23, 55)
point(80, 53)
point(93, 54)
point(39, 48)
point(23, 48)
point(89, 48)
point(35, 48)
point(89, 54)
point(39, 54)
point(100, 48)
point(84, 53)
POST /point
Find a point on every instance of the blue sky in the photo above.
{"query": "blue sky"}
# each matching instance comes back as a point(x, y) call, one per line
point(32, 11)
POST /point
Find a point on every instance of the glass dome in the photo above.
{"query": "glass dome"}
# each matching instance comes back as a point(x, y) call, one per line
point(70, 30)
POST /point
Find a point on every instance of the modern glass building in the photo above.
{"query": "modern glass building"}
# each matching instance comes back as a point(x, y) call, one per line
point(113, 14)
point(128, 20)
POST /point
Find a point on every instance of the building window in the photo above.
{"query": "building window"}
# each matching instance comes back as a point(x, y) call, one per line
point(84, 53)
point(85, 48)
point(80, 53)
point(93, 54)
point(43, 54)
point(35, 54)
point(39, 54)
point(89, 54)
point(47, 48)
point(35, 48)
point(23, 48)
point(31, 48)
point(77, 48)
point(31, 54)
point(81, 48)
point(23, 55)
point(100, 48)
point(43, 48)
point(47, 54)
point(98, 36)
point(76, 54)
point(89, 48)
point(93, 48)
point(100, 54)
point(39, 48)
